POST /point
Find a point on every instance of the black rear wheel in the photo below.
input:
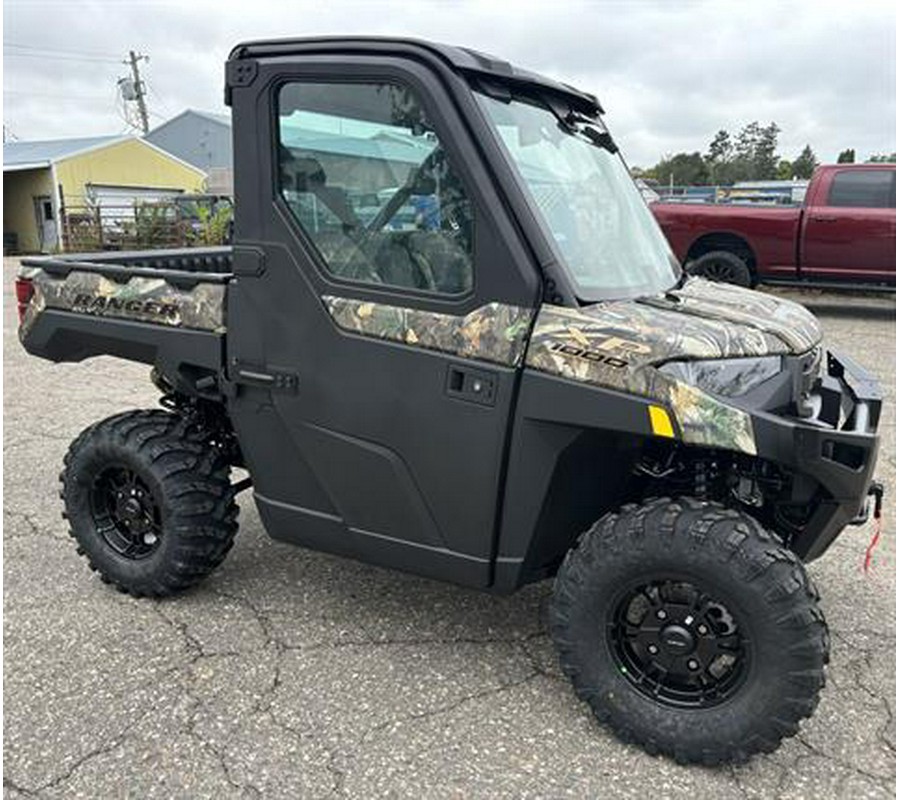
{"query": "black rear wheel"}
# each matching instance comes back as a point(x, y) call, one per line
point(125, 512)
point(690, 630)
point(149, 501)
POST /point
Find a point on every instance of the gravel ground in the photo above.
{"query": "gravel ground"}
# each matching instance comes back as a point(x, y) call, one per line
point(290, 673)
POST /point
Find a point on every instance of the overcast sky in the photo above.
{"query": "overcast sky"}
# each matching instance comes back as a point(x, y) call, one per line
point(670, 74)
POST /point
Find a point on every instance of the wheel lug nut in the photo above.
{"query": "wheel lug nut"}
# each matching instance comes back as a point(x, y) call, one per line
point(661, 614)
point(692, 664)
point(652, 649)
point(702, 629)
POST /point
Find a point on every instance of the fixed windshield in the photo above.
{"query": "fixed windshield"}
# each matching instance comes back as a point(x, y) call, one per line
point(599, 223)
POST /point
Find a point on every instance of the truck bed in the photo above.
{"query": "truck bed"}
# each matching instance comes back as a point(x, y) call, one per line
point(160, 307)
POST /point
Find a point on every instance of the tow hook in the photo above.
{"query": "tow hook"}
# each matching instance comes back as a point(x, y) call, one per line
point(876, 489)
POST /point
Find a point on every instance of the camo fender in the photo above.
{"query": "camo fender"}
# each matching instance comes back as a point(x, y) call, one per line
point(618, 345)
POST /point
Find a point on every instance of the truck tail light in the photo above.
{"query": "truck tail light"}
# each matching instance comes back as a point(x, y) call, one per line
point(24, 293)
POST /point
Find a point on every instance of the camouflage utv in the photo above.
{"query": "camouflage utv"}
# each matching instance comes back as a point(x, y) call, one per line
point(495, 373)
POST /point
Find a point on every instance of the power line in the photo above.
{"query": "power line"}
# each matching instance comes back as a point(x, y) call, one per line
point(159, 100)
point(58, 51)
point(56, 95)
point(51, 57)
point(131, 89)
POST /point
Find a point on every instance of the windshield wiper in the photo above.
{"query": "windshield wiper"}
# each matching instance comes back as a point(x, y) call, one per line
point(600, 138)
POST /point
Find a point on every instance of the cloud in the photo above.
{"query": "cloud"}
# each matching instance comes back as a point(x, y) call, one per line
point(669, 74)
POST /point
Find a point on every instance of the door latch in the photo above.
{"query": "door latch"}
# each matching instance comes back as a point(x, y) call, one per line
point(474, 385)
point(264, 378)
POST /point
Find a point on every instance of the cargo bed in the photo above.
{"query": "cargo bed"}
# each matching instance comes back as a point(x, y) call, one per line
point(161, 307)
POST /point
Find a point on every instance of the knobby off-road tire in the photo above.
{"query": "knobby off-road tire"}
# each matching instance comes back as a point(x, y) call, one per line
point(149, 502)
point(759, 604)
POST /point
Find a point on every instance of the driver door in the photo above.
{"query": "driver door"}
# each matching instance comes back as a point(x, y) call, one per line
point(378, 322)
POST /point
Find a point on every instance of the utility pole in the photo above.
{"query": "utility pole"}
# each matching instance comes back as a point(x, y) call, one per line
point(133, 59)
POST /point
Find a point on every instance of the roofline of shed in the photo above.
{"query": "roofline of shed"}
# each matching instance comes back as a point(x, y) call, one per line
point(26, 166)
point(89, 149)
point(207, 116)
point(122, 140)
point(165, 152)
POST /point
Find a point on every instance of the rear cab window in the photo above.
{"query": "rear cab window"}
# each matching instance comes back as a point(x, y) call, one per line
point(875, 188)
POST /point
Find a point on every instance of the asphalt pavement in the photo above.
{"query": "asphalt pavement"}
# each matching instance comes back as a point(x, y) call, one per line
point(290, 673)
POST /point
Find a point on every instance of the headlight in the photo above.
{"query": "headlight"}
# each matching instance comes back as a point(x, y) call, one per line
point(728, 377)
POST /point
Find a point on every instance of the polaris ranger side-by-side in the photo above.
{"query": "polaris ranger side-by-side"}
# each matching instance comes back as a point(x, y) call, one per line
point(451, 338)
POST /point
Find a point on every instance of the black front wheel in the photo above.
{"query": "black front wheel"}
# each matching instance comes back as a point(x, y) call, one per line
point(149, 501)
point(690, 630)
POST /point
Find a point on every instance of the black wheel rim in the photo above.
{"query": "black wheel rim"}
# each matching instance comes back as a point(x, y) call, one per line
point(126, 513)
point(716, 270)
point(677, 644)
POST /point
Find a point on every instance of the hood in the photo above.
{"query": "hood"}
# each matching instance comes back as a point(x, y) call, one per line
point(618, 344)
point(700, 320)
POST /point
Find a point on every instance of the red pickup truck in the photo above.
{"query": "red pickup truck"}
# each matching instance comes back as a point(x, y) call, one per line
point(841, 236)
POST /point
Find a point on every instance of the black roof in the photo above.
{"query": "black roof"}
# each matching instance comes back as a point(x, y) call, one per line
point(460, 58)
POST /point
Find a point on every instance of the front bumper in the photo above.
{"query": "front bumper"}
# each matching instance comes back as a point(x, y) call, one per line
point(836, 446)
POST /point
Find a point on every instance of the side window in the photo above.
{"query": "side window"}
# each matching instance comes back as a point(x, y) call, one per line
point(871, 188)
point(365, 176)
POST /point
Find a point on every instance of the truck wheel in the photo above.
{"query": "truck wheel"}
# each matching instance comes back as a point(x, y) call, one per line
point(690, 631)
point(149, 502)
point(721, 266)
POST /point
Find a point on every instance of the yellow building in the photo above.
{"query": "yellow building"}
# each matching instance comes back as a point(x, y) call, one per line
point(48, 184)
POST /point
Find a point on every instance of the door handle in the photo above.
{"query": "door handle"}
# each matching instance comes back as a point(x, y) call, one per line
point(474, 385)
point(251, 375)
point(823, 218)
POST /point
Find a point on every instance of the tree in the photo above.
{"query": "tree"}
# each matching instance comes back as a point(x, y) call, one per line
point(765, 159)
point(720, 148)
point(682, 169)
point(805, 163)
point(719, 155)
point(847, 156)
point(741, 166)
point(785, 170)
point(882, 158)
point(754, 153)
